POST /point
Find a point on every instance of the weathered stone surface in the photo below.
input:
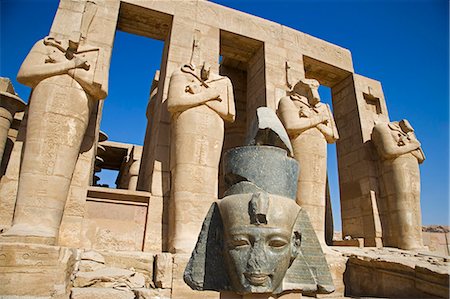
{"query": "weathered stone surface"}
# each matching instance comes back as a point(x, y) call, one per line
point(140, 262)
point(400, 155)
point(92, 256)
point(152, 293)
point(109, 275)
point(163, 270)
point(310, 125)
point(267, 129)
point(100, 293)
point(266, 167)
point(35, 270)
point(88, 266)
point(394, 273)
point(199, 103)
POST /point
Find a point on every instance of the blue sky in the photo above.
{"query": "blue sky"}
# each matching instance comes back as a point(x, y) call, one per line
point(404, 44)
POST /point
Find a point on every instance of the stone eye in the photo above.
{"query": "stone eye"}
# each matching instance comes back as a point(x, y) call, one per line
point(240, 243)
point(277, 243)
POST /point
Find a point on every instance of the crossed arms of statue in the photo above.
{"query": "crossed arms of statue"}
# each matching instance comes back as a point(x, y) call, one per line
point(186, 91)
point(299, 119)
point(50, 57)
point(389, 147)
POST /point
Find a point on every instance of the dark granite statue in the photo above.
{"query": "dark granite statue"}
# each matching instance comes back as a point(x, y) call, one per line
point(257, 239)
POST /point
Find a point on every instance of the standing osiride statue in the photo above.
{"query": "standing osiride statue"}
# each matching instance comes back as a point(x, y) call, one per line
point(400, 154)
point(310, 125)
point(68, 79)
point(199, 102)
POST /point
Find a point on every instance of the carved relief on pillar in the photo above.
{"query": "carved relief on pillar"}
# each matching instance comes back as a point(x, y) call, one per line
point(199, 102)
point(310, 125)
point(400, 155)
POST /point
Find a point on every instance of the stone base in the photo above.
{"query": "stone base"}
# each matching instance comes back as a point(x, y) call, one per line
point(394, 273)
point(41, 271)
point(35, 270)
point(27, 239)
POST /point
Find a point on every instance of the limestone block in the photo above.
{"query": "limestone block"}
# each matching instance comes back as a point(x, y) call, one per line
point(163, 270)
point(111, 226)
point(154, 225)
point(179, 288)
point(140, 262)
point(101, 293)
point(35, 270)
point(66, 21)
point(107, 274)
point(94, 256)
point(152, 293)
point(89, 266)
point(394, 273)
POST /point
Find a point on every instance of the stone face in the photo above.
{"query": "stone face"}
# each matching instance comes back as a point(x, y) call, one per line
point(310, 126)
point(400, 155)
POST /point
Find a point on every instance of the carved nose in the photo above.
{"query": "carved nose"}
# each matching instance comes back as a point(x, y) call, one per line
point(257, 259)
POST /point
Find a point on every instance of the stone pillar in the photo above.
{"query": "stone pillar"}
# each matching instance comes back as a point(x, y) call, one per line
point(358, 102)
point(10, 103)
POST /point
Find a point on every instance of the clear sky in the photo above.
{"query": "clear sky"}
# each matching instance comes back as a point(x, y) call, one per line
point(402, 43)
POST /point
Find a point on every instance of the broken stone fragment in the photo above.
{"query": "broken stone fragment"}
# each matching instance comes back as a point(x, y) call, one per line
point(107, 274)
point(163, 273)
point(93, 256)
point(267, 129)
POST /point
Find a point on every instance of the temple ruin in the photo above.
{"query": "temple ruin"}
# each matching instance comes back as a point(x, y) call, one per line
point(64, 235)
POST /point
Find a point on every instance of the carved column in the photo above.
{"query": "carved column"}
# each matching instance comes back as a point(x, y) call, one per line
point(10, 103)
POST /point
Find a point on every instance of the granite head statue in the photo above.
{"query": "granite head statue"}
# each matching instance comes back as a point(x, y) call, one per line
point(259, 241)
point(256, 239)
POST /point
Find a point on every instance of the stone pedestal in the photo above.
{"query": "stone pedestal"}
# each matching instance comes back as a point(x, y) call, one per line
point(35, 270)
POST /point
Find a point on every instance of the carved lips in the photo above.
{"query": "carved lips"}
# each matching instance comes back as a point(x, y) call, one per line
point(257, 279)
